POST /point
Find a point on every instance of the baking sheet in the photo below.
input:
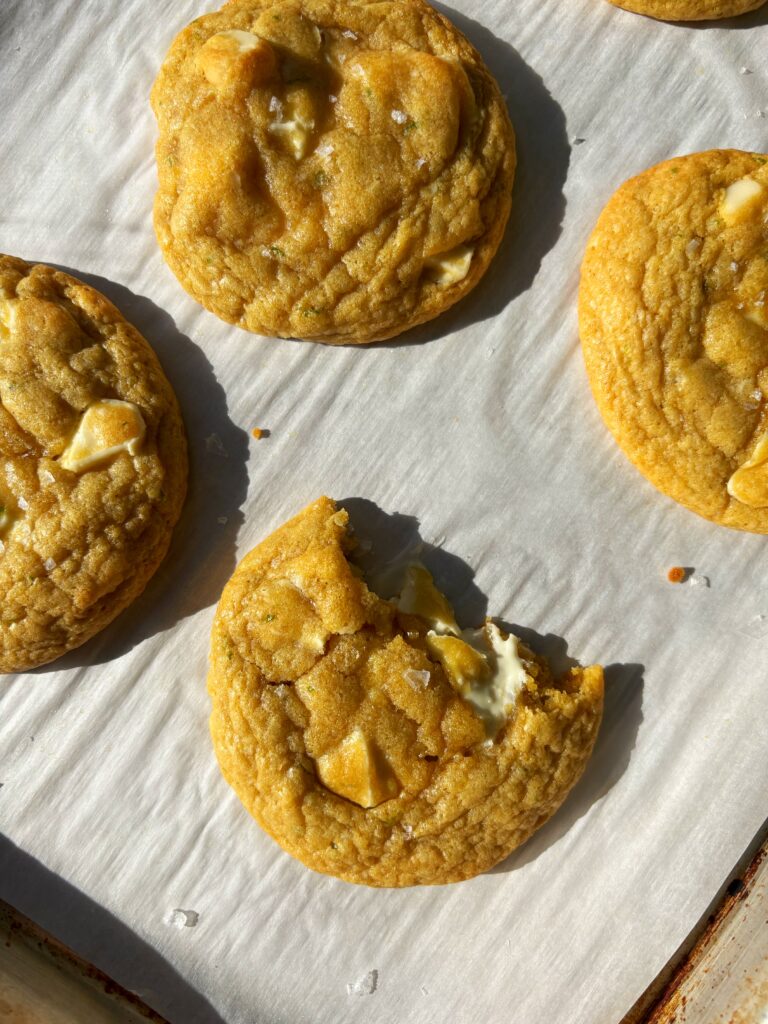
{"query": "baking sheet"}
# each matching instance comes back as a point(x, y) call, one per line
point(480, 429)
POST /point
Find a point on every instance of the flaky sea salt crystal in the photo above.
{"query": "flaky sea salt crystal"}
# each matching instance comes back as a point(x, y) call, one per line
point(408, 829)
point(417, 678)
point(697, 580)
point(182, 918)
point(46, 477)
point(349, 34)
point(366, 985)
point(754, 399)
point(745, 71)
point(421, 161)
point(734, 266)
point(325, 150)
point(333, 99)
point(275, 105)
point(693, 247)
point(49, 565)
point(399, 117)
point(23, 503)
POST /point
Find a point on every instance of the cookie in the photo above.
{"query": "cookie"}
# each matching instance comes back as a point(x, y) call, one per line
point(94, 463)
point(675, 333)
point(328, 169)
point(689, 10)
point(373, 739)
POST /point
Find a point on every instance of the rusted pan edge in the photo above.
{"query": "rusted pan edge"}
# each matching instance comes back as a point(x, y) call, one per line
point(36, 968)
point(720, 972)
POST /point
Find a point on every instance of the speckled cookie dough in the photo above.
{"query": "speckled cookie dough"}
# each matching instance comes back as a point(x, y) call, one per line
point(331, 170)
point(94, 463)
point(373, 739)
point(689, 10)
point(675, 333)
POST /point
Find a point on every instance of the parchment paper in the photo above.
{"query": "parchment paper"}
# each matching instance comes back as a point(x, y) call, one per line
point(481, 428)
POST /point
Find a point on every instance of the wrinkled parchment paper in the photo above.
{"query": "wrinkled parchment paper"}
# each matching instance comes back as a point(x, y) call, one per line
point(479, 430)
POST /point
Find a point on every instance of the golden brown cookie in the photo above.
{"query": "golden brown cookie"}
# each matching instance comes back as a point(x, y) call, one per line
point(689, 10)
point(93, 458)
point(675, 333)
point(330, 170)
point(372, 739)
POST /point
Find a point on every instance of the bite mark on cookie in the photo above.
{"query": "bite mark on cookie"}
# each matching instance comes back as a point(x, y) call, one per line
point(383, 758)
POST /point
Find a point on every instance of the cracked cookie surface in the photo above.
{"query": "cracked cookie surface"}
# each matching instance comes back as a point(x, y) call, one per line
point(330, 170)
point(347, 730)
point(93, 463)
point(689, 10)
point(674, 330)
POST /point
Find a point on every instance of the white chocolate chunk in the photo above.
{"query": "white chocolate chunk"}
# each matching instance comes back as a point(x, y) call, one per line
point(107, 428)
point(464, 665)
point(757, 315)
point(450, 267)
point(295, 133)
point(8, 314)
point(6, 519)
point(356, 770)
point(421, 597)
point(488, 672)
point(236, 59)
point(236, 40)
point(507, 672)
point(739, 199)
point(749, 484)
point(483, 665)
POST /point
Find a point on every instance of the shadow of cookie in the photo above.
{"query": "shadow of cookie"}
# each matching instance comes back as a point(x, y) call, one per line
point(96, 935)
point(388, 542)
point(538, 199)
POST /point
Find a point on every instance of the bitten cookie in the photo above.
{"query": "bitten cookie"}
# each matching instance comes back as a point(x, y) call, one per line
point(374, 740)
point(675, 333)
point(689, 10)
point(329, 169)
point(94, 463)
